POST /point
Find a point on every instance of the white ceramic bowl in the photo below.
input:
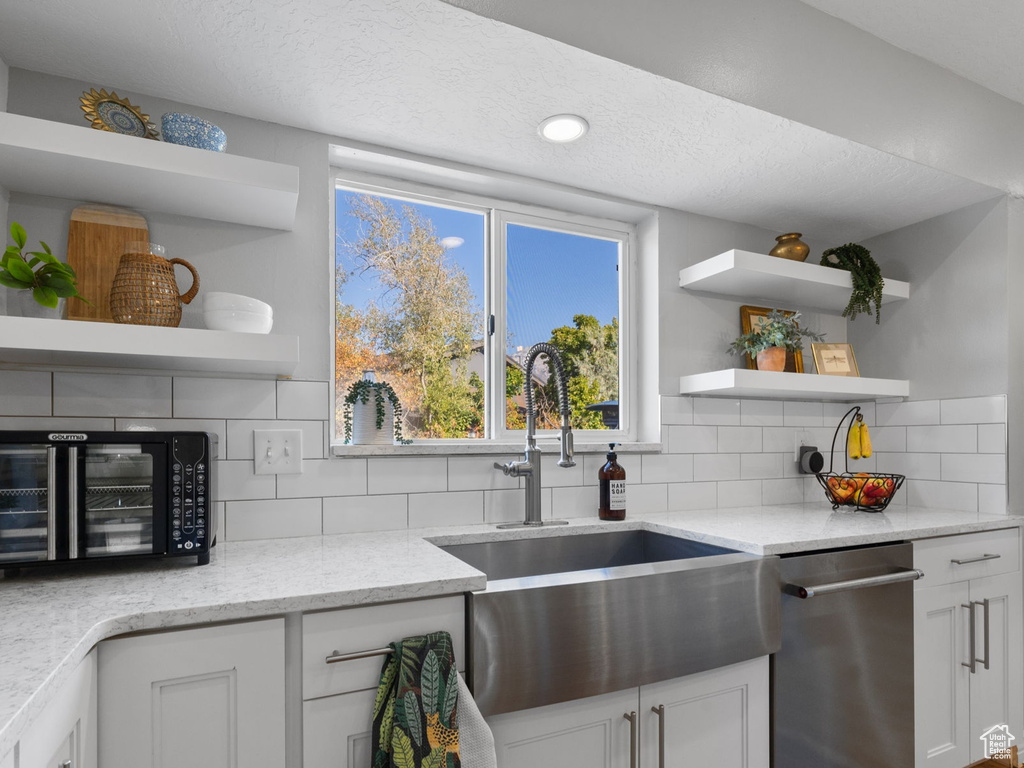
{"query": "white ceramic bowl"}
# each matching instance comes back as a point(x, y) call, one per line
point(237, 320)
point(236, 302)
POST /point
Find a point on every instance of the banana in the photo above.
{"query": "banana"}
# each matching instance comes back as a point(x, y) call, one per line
point(853, 441)
point(865, 441)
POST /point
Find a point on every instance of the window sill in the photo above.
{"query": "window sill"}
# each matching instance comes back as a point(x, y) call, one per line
point(482, 448)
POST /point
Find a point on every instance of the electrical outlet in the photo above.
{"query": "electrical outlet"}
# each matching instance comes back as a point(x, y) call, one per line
point(277, 451)
point(800, 439)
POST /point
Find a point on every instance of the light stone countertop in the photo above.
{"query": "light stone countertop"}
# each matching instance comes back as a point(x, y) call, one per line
point(50, 618)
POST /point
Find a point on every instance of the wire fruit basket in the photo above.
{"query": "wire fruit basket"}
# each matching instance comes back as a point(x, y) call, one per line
point(865, 491)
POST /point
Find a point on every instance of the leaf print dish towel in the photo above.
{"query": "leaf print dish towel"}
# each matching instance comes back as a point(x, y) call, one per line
point(415, 715)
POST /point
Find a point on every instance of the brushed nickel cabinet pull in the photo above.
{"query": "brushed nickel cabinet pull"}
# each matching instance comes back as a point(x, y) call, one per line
point(956, 561)
point(970, 639)
point(660, 712)
point(335, 656)
point(907, 574)
point(632, 738)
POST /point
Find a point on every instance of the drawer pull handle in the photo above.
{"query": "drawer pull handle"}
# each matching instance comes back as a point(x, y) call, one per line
point(335, 657)
point(975, 559)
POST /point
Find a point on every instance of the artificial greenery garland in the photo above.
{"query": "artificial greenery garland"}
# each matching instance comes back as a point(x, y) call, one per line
point(360, 390)
point(865, 274)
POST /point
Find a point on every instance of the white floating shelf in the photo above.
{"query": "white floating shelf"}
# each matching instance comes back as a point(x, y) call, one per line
point(743, 382)
point(46, 158)
point(32, 341)
point(793, 284)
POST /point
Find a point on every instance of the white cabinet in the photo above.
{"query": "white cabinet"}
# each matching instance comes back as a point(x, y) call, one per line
point(971, 581)
point(337, 709)
point(64, 734)
point(719, 718)
point(213, 696)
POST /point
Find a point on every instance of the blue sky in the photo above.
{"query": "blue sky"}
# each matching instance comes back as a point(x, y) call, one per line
point(551, 275)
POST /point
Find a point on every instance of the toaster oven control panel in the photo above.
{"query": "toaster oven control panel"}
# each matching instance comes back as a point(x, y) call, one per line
point(189, 495)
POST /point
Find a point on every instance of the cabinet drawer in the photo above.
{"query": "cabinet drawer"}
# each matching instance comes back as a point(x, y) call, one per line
point(935, 556)
point(337, 730)
point(351, 630)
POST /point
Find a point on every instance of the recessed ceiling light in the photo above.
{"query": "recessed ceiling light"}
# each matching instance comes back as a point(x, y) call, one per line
point(563, 128)
point(452, 242)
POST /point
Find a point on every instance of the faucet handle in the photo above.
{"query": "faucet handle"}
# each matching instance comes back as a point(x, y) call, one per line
point(565, 459)
point(503, 467)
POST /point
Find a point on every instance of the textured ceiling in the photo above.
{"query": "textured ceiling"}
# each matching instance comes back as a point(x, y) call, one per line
point(980, 41)
point(425, 77)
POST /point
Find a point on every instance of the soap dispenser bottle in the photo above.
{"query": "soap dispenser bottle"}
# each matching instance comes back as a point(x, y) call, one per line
point(612, 481)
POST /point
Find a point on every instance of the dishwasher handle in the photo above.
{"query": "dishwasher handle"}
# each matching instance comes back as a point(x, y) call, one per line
point(905, 574)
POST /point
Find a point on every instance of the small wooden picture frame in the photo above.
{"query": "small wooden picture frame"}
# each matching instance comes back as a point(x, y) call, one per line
point(834, 360)
point(752, 317)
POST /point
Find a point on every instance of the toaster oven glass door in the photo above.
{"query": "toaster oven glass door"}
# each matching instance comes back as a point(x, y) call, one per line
point(27, 503)
point(119, 514)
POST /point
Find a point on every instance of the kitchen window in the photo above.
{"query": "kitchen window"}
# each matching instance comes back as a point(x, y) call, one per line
point(443, 294)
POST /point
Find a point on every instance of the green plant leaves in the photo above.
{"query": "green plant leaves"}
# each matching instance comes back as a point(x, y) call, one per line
point(18, 234)
point(45, 296)
point(12, 282)
point(21, 271)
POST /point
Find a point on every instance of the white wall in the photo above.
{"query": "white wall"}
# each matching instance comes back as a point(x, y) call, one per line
point(952, 338)
point(792, 60)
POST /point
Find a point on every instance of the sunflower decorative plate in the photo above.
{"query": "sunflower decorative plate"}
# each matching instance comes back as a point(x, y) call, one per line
point(109, 112)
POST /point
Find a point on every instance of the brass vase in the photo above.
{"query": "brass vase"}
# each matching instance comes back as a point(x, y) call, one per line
point(791, 247)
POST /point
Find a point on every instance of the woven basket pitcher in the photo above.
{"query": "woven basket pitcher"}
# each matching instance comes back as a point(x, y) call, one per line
point(145, 291)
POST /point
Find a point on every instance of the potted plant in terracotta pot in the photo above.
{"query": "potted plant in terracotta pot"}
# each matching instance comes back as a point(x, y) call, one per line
point(769, 341)
point(47, 281)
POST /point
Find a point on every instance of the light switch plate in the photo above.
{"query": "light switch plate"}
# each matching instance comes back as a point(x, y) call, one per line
point(277, 451)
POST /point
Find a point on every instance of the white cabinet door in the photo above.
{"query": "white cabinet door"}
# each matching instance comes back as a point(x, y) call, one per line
point(941, 683)
point(212, 696)
point(718, 718)
point(65, 731)
point(588, 733)
point(336, 730)
point(996, 696)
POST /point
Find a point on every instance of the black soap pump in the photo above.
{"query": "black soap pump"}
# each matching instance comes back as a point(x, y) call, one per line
point(612, 481)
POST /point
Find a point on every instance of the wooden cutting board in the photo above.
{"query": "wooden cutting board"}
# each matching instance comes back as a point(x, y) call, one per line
point(97, 235)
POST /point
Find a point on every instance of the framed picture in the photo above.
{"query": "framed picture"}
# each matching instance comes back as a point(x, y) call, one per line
point(754, 317)
point(834, 360)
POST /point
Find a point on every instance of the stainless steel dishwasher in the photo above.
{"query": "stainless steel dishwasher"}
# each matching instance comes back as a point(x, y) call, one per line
point(843, 681)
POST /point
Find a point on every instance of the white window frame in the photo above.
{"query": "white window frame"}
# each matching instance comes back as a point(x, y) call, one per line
point(500, 212)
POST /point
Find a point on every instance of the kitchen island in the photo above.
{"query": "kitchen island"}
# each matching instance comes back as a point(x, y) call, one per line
point(52, 618)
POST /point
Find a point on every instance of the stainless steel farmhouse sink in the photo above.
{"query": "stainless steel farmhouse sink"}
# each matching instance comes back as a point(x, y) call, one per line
point(569, 616)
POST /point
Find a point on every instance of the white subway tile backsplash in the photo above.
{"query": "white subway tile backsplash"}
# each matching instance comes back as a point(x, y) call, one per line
point(907, 414)
point(358, 514)
point(676, 410)
point(435, 509)
point(406, 475)
point(992, 438)
point(716, 466)
point(739, 439)
point(716, 411)
point(992, 499)
point(687, 496)
point(26, 393)
point(888, 439)
point(739, 493)
point(196, 398)
point(695, 439)
point(234, 481)
point(833, 412)
point(581, 501)
point(554, 476)
point(646, 497)
point(272, 519)
point(796, 413)
point(303, 400)
point(325, 477)
point(786, 491)
point(780, 439)
point(761, 413)
point(477, 473)
point(592, 462)
point(100, 394)
point(240, 436)
point(506, 506)
point(942, 495)
point(755, 466)
point(974, 468)
point(55, 422)
point(665, 468)
point(973, 410)
point(919, 466)
point(943, 439)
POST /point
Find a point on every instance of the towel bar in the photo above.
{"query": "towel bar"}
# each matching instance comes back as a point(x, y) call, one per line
point(336, 657)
